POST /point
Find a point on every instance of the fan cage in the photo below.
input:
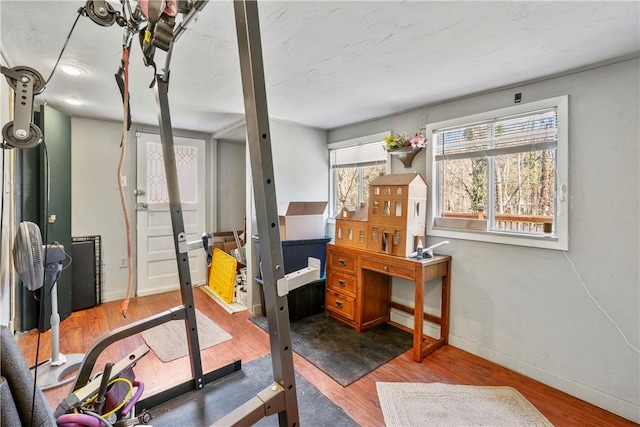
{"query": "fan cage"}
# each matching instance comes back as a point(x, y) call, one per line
point(28, 255)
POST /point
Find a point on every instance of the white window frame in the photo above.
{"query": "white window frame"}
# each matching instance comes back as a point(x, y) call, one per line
point(560, 239)
point(368, 139)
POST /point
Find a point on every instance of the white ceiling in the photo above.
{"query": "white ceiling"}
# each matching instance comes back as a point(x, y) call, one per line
point(327, 63)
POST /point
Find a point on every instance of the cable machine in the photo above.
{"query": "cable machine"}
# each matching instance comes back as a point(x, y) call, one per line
point(280, 397)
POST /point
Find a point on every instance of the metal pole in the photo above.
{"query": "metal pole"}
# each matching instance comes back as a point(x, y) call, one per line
point(179, 235)
point(259, 139)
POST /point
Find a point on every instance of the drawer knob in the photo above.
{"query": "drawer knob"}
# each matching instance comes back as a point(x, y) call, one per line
point(342, 283)
point(385, 268)
point(342, 262)
point(339, 304)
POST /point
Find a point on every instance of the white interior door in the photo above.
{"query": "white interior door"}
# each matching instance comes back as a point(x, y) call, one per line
point(157, 265)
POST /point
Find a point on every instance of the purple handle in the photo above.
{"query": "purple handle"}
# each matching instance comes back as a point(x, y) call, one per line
point(78, 420)
point(82, 420)
point(134, 398)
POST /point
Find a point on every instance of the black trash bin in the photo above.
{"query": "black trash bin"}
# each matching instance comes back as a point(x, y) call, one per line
point(308, 299)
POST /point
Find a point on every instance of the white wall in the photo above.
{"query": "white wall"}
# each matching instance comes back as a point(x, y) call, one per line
point(231, 178)
point(300, 162)
point(525, 308)
point(6, 294)
point(95, 200)
point(301, 173)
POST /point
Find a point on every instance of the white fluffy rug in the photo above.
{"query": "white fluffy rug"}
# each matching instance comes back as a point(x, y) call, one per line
point(437, 404)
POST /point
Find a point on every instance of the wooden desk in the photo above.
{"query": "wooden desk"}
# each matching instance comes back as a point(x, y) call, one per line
point(358, 291)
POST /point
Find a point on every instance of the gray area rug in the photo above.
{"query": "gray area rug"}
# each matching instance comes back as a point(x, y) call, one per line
point(217, 399)
point(340, 351)
point(169, 340)
point(437, 404)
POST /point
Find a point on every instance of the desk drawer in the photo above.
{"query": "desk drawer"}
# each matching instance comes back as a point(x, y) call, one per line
point(340, 304)
point(341, 260)
point(389, 268)
point(343, 283)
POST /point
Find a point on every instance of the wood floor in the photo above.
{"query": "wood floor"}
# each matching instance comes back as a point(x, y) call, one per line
point(359, 399)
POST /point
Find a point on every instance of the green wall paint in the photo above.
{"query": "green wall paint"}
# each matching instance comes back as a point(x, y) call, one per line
point(34, 206)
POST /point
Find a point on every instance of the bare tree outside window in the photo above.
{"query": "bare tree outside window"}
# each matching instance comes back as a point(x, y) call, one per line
point(497, 171)
point(354, 165)
point(351, 183)
point(347, 187)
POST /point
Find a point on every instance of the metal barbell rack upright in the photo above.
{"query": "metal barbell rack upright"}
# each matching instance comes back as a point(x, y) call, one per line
point(280, 397)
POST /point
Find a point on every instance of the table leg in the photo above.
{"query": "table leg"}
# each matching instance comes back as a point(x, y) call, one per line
point(444, 311)
point(417, 316)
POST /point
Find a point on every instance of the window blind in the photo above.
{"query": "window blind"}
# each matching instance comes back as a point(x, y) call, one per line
point(513, 134)
point(370, 154)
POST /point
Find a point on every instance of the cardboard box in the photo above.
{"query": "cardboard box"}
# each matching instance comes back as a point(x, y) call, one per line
point(228, 246)
point(301, 220)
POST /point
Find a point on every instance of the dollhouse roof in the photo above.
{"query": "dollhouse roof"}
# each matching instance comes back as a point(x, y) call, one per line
point(399, 179)
point(362, 214)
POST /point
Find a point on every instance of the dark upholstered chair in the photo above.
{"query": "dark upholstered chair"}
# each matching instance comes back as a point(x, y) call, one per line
point(17, 401)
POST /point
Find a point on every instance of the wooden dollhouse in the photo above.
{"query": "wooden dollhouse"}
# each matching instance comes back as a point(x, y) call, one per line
point(397, 213)
point(351, 227)
point(394, 220)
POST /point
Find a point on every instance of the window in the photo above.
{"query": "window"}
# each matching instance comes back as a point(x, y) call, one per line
point(501, 176)
point(354, 164)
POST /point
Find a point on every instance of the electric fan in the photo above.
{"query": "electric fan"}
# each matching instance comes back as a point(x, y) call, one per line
point(39, 266)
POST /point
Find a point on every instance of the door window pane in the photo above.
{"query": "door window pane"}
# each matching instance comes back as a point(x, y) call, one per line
point(187, 169)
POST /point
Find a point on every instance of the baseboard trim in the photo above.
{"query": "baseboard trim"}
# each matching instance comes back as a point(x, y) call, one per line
point(113, 296)
point(161, 290)
point(406, 319)
point(602, 400)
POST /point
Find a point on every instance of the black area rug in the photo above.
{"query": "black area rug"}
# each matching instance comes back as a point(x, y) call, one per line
point(217, 399)
point(340, 351)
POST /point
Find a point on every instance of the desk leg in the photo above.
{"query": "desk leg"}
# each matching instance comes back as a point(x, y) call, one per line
point(444, 316)
point(417, 316)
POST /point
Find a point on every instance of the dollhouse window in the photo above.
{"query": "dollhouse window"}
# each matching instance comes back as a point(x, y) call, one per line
point(374, 234)
point(376, 207)
point(376, 191)
point(416, 209)
point(361, 236)
point(399, 191)
point(350, 234)
point(387, 208)
point(397, 236)
point(385, 242)
point(398, 208)
point(387, 191)
point(339, 232)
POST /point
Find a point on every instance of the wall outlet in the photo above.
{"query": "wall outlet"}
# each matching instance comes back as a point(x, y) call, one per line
point(123, 262)
point(123, 181)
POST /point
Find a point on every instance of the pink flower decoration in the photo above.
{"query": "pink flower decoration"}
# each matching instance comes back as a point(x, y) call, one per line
point(418, 141)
